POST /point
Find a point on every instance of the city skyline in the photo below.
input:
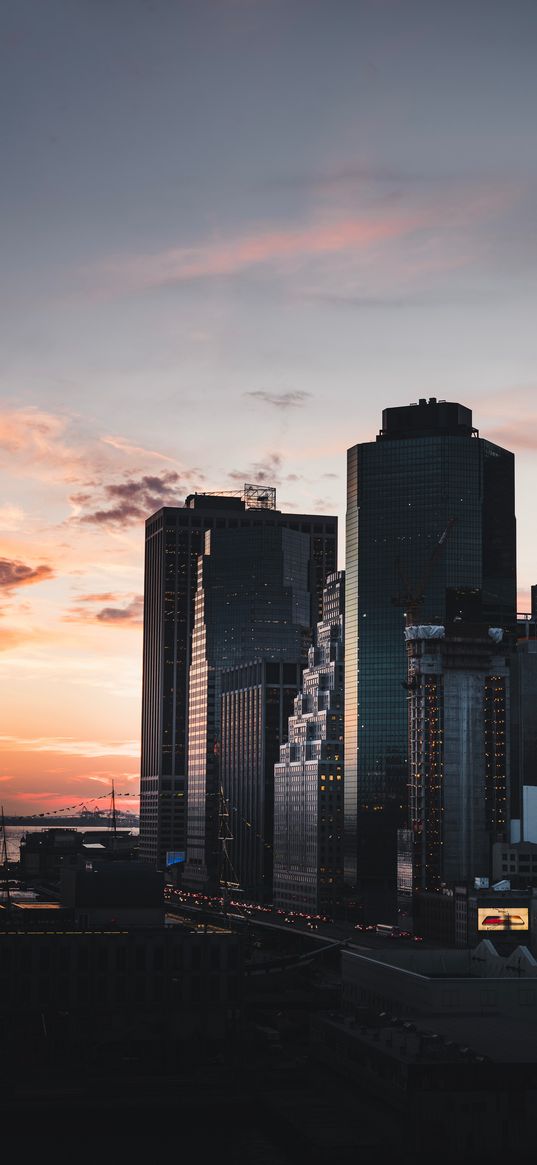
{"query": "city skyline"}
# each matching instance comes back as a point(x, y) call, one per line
point(356, 235)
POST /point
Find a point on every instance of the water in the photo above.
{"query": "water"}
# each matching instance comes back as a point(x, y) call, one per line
point(14, 833)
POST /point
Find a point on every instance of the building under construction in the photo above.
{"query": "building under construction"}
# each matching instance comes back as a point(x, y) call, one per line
point(458, 725)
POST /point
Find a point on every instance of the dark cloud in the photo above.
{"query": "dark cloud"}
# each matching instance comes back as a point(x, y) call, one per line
point(321, 506)
point(131, 613)
point(131, 500)
point(14, 574)
point(280, 400)
point(265, 472)
point(123, 609)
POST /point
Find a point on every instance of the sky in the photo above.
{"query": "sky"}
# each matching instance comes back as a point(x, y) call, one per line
point(232, 232)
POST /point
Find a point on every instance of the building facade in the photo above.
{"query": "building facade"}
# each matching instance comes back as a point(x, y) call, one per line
point(308, 779)
point(257, 701)
point(252, 603)
point(174, 538)
point(427, 474)
point(458, 724)
point(524, 734)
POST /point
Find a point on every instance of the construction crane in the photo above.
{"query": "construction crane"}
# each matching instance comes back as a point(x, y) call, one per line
point(227, 875)
point(5, 859)
point(413, 598)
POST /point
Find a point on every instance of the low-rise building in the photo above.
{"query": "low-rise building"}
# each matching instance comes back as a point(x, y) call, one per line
point(101, 893)
point(447, 1038)
point(92, 988)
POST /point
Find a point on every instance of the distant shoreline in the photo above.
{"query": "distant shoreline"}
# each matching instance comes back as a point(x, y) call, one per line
point(124, 821)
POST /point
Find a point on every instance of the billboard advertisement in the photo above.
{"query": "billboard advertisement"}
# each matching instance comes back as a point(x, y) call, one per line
point(502, 918)
point(174, 857)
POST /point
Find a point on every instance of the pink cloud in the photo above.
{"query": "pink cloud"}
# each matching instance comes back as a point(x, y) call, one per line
point(32, 437)
point(519, 437)
point(181, 264)
point(54, 448)
point(125, 446)
point(120, 610)
point(15, 574)
point(509, 417)
point(442, 224)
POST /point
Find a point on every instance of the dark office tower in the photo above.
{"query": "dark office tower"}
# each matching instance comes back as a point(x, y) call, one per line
point(174, 539)
point(524, 730)
point(427, 474)
point(308, 779)
point(252, 603)
point(458, 724)
point(257, 700)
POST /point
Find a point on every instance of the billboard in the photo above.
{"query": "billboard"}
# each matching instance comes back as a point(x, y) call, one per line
point(174, 857)
point(502, 918)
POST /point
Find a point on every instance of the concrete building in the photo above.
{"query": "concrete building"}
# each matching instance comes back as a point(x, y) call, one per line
point(308, 778)
point(464, 914)
point(109, 894)
point(478, 981)
point(448, 1039)
point(114, 992)
point(515, 861)
point(257, 700)
point(45, 854)
point(524, 735)
point(458, 724)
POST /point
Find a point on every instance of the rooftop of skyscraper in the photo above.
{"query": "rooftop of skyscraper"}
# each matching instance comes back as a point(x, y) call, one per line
point(427, 418)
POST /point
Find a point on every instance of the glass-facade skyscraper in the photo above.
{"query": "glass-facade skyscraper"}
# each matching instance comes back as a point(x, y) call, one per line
point(257, 701)
point(252, 603)
point(428, 472)
point(174, 537)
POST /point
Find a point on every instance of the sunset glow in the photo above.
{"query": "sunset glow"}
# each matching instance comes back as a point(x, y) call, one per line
point(221, 276)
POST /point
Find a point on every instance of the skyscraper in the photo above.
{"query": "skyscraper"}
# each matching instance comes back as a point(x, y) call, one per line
point(428, 472)
point(252, 603)
point(458, 718)
point(173, 540)
point(257, 700)
point(524, 729)
point(308, 779)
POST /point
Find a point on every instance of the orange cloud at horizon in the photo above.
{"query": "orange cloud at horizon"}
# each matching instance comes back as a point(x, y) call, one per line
point(59, 779)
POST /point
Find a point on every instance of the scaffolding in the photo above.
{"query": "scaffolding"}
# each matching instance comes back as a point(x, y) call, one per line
point(255, 497)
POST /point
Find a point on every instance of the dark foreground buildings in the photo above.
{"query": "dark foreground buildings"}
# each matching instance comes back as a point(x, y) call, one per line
point(427, 472)
point(174, 539)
